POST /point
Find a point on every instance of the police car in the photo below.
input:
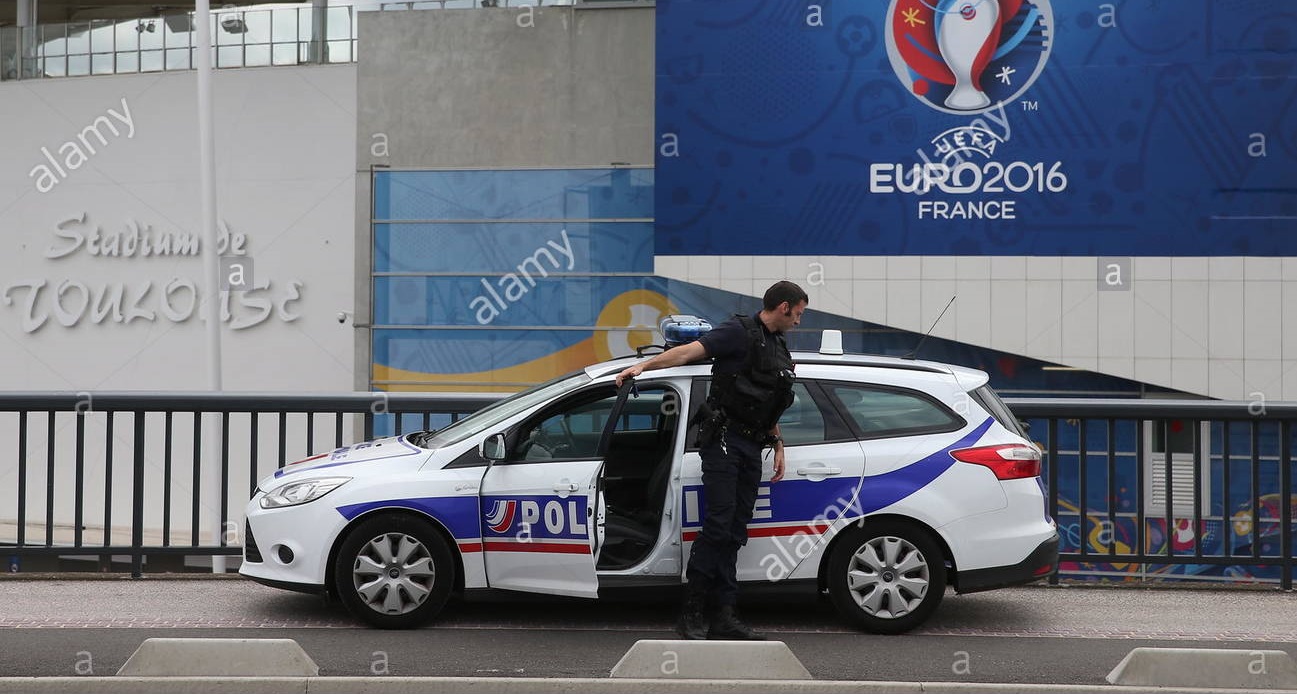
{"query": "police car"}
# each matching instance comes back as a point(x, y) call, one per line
point(903, 478)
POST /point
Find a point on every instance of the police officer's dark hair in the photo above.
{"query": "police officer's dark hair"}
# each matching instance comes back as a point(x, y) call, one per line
point(782, 291)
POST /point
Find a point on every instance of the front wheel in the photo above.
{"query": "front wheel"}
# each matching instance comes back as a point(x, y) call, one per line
point(887, 577)
point(394, 571)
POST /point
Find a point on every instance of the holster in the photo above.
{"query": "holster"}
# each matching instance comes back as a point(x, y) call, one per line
point(709, 430)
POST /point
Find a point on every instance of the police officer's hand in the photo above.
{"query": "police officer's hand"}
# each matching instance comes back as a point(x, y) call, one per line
point(629, 372)
point(779, 464)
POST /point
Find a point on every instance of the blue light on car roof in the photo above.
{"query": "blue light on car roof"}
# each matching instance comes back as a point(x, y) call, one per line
point(682, 329)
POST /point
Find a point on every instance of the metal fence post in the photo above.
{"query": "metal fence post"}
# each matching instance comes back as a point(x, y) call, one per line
point(137, 498)
point(1052, 501)
point(1285, 502)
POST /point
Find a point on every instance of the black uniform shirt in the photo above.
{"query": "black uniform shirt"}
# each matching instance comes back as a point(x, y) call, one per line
point(727, 345)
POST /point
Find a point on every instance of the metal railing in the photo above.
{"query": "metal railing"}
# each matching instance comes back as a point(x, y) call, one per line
point(241, 38)
point(1169, 488)
point(82, 458)
point(1140, 488)
point(253, 37)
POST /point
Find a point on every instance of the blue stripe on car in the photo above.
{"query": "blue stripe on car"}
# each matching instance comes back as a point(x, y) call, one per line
point(795, 501)
point(881, 491)
point(457, 513)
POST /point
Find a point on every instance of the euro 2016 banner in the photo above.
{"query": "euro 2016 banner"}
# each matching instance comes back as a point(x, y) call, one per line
point(966, 127)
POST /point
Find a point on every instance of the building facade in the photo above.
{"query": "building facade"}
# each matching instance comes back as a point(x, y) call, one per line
point(1084, 199)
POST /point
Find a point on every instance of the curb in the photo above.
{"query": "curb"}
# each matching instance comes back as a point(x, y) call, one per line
point(533, 685)
point(1065, 583)
point(1208, 667)
point(165, 657)
point(94, 576)
point(720, 660)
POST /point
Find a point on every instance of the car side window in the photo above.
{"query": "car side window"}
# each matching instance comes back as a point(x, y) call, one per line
point(878, 411)
point(802, 422)
point(570, 432)
point(810, 419)
point(644, 411)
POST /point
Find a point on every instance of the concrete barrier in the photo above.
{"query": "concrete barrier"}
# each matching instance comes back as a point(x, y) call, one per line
point(1207, 668)
point(219, 658)
point(511, 685)
point(721, 660)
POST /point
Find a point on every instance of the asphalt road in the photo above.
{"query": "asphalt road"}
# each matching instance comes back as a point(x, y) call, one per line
point(1069, 635)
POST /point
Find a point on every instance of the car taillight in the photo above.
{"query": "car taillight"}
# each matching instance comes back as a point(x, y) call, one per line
point(1011, 461)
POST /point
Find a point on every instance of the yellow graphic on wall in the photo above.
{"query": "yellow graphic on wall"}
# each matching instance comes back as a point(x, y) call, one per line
point(628, 321)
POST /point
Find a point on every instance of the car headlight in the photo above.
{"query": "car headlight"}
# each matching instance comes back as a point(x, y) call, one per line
point(295, 493)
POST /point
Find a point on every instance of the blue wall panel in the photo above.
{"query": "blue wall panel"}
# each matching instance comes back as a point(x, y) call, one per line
point(1160, 129)
point(473, 271)
point(500, 300)
point(495, 246)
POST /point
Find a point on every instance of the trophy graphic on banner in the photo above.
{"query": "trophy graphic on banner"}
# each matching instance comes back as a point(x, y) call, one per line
point(966, 26)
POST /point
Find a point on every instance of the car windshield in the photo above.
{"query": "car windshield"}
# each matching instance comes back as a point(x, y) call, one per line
point(497, 412)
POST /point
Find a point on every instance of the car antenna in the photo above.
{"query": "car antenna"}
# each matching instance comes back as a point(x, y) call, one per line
point(912, 354)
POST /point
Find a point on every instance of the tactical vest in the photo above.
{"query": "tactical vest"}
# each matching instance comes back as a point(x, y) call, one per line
point(758, 393)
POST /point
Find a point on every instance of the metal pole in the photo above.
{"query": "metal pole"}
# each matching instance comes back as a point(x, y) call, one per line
point(211, 259)
point(26, 16)
point(26, 11)
point(319, 31)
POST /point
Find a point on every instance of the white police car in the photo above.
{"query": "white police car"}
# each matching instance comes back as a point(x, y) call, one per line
point(902, 478)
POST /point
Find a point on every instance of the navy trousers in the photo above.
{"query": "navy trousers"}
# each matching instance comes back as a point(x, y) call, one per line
point(730, 480)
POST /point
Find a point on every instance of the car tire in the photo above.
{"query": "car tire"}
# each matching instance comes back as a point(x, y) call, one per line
point(886, 577)
point(394, 571)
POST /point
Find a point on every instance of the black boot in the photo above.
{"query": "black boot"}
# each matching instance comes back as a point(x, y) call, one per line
point(693, 620)
point(726, 626)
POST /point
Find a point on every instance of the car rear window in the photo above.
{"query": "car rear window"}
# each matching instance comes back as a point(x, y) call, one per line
point(879, 412)
point(991, 402)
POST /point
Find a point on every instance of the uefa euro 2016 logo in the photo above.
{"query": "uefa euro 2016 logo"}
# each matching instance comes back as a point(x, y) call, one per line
point(966, 56)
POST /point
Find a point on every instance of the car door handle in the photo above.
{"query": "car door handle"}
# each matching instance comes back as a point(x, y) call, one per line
point(566, 486)
point(818, 470)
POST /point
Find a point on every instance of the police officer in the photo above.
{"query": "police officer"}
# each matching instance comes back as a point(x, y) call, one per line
point(752, 380)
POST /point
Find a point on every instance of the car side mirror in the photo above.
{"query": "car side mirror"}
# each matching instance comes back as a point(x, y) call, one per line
point(492, 447)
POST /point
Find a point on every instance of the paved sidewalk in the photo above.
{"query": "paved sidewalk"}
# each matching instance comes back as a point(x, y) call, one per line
point(1039, 636)
point(1226, 614)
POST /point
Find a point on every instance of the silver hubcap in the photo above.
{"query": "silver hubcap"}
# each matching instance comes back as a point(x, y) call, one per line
point(393, 573)
point(887, 577)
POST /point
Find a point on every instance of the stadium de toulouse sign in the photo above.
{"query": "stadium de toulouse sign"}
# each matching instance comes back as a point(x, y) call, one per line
point(70, 301)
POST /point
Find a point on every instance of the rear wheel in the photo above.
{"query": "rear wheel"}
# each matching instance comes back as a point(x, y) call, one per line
point(394, 571)
point(887, 577)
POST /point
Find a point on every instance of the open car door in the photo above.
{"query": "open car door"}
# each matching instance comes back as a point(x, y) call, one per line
point(541, 505)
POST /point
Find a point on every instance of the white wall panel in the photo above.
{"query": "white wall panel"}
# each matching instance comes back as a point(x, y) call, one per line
point(1208, 326)
point(1225, 319)
point(285, 144)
